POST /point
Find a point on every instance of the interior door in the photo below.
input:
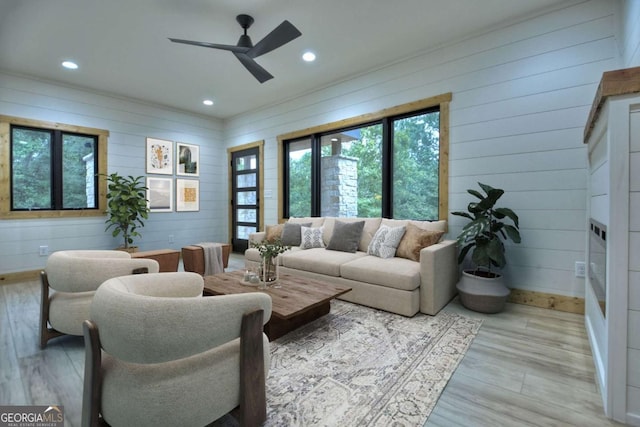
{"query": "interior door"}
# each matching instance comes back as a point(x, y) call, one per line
point(245, 197)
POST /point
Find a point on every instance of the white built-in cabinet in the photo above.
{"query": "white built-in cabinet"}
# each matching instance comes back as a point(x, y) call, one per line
point(612, 294)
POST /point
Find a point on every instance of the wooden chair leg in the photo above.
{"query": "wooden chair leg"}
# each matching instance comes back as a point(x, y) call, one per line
point(253, 400)
point(46, 333)
point(92, 392)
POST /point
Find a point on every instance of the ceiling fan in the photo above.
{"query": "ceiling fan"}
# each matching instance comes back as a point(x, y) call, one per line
point(245, 51)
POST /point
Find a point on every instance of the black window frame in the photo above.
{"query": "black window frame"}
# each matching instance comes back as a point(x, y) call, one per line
point(56, 170)
point(316, 157)
point(5, 169)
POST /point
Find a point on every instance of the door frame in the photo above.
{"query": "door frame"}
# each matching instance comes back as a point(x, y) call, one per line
point(230, 151)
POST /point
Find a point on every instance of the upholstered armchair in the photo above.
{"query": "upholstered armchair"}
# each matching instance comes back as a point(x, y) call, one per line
point(158, 353)
point(69, 281)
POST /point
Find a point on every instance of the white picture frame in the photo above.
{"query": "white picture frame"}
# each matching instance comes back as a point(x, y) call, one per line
point(159, 156)
point(187, 195)
point(159, 194)
point(188, 159)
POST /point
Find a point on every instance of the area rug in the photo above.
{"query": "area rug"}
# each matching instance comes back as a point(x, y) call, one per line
point(363, 367)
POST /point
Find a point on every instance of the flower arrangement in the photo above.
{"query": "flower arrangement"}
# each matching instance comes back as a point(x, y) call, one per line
point(269, 250)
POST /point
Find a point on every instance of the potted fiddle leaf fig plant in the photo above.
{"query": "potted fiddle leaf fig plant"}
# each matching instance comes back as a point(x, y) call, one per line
point(127, 207)
point(482, 289)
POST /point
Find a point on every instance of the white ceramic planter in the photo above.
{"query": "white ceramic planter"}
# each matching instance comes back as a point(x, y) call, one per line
point(482, 294)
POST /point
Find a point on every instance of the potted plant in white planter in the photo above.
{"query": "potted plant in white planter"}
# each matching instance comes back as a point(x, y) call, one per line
point(127, 207)
point(482, 289)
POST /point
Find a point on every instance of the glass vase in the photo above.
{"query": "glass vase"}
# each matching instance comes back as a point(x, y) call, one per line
point(269, 271)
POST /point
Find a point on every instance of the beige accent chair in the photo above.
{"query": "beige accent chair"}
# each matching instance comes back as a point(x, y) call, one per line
point(158, 353)
point(69, 281)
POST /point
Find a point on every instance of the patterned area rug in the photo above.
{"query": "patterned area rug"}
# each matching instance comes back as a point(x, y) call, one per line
point(363, 367)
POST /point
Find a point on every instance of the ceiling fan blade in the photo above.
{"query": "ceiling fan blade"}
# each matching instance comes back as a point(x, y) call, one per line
point(232, 48)
point(254, 68)
point(281, 35)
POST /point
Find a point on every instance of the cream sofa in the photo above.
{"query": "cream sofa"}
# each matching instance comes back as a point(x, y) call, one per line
point(398, 285)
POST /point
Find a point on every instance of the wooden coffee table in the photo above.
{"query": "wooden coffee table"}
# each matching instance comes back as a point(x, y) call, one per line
point(297, 302)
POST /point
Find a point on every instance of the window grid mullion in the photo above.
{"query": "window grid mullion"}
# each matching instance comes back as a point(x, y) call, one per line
point(316, 175)
point(56, 171)
point(387, 168)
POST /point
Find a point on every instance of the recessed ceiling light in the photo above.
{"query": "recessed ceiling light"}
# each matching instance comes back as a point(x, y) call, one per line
point(309, 56)
point(207, 102)
point(70, 65)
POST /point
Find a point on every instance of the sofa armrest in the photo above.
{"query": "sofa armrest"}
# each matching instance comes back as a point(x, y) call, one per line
point(251, 255)
point(439, 275)
point(257, 237)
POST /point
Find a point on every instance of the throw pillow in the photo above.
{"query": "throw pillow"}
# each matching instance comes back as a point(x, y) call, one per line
point(291, 233)
point(273, 232)
point(414, 240)
point(385, 241)
point(311, 238)
point(346, 236)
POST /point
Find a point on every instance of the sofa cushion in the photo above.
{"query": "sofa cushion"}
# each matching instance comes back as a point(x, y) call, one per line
point(292, 234)
point(398, 273)
point(414, 240)
point(252, 254)
point(315, 221)
point(346, 236)
point(371, 225)
point(273, 232)
point(440, 225)
point(385, 241)
point(311, 238)
point(319, 260)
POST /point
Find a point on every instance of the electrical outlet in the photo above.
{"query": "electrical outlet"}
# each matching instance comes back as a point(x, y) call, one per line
point(171, 238)
point(43, 250)
point(580, 269)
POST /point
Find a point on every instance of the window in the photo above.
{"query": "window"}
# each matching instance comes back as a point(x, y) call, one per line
point(53, 169)
point(393, 165)
point(351, 172)
point(298, 180)
point(416, 166)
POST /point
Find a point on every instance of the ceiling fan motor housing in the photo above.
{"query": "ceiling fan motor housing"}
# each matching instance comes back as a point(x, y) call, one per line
point(245, 41)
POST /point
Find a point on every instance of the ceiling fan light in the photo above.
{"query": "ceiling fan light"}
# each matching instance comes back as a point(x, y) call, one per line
point(309, 56)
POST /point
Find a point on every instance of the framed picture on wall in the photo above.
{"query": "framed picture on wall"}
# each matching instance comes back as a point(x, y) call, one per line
point(188, 159)
point(187, 195)
point(160, 194)
point(159, 155)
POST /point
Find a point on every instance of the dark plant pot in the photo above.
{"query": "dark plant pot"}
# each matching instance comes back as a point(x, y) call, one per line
point(482, 294)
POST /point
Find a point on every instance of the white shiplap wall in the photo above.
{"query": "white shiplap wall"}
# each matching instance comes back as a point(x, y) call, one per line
point(129, 123)
point(521, 96)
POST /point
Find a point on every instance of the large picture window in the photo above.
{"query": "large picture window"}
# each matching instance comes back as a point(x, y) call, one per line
point(393, 165)
point(53, 169)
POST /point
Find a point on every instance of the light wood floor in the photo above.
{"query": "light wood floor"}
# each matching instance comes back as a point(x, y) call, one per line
point(527, 366)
